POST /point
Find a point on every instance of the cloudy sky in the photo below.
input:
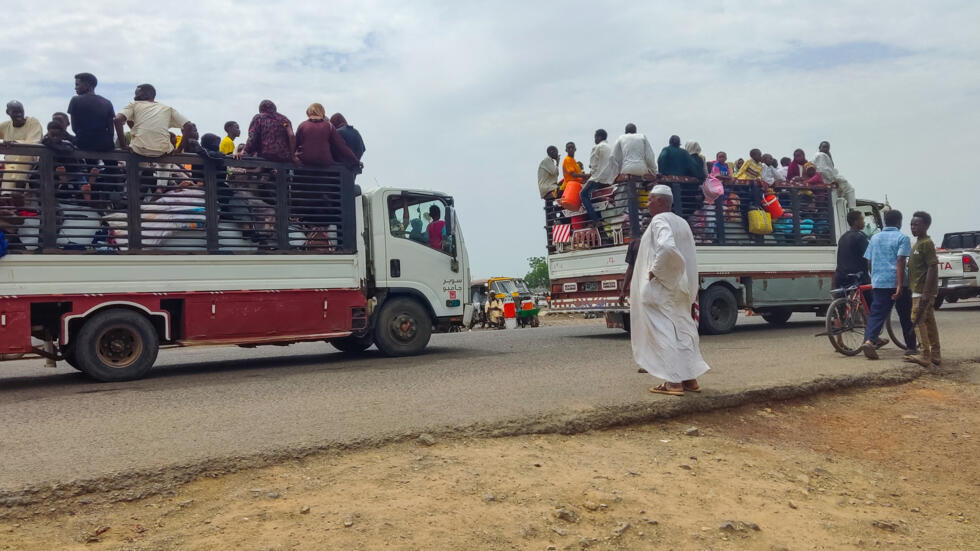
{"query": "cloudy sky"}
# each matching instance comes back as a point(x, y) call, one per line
point(464, 97)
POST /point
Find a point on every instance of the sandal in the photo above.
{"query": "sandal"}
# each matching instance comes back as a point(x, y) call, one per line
point(691, 386)
point(664, 389)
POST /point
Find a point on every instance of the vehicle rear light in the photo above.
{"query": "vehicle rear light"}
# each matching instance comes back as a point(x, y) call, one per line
point(970, 265)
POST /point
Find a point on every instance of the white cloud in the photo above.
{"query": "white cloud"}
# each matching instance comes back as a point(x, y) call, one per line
point(464, 97)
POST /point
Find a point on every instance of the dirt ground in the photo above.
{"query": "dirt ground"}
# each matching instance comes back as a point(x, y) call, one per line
point(884, 468)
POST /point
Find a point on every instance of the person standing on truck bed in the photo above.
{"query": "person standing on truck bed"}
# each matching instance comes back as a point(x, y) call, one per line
point(924, 283)
point(151, 121)
point(825, 166)
point(663, 328)
point(91, 117)
point(888, 253)
point(22, 129)
point(351, 136)
point(319, 144)
point(270, 135)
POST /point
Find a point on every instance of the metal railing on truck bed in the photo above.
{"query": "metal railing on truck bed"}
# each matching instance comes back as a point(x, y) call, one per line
point(120, 203)
point(807, 220)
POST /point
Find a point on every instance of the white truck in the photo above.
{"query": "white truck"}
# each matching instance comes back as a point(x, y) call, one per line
point(112, 256)
point(959, 267)
point(790, 270)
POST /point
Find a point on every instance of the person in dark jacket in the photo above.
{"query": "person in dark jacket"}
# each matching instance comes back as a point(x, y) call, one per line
point(674, 161)
point(318, 143)
point(350, 135)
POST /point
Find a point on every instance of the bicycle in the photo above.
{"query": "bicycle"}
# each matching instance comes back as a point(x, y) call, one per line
point(847, 317)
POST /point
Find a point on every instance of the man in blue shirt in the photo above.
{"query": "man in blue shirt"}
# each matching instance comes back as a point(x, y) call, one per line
point(888, 252)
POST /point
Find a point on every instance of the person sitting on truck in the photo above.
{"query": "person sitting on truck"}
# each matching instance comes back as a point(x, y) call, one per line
point(571, 193)
point(350, 134)
point(795, 170)
point(720, 168)
point(319, 144)
point(601, 174)
point(674, 161)
point(751, 169)
point(151, 122)
point(270, 135)
point(91, 117)
point(783, 168)
point(700, 168)
point(633, 155)
point(62, 118)
point(232, 131)
point(825, 166)
point(436, 228)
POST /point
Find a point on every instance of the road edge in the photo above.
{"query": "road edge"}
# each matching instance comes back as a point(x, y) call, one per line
point(135, 484)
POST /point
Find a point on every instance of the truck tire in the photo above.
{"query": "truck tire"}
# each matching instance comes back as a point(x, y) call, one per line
point(938, 303)
point(719, 310)
point(777, 317)
point(68, 353)
point(353, 344)
point(402, 327)
point(116, 345)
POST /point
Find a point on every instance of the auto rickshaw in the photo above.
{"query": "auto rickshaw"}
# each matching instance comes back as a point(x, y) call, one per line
point(527, 309)
point(490, 298)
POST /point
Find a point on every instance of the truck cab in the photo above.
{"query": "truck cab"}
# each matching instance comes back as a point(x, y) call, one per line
point(408, 260)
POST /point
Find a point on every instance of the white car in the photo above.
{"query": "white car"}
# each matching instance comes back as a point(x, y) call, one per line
point(959, 267)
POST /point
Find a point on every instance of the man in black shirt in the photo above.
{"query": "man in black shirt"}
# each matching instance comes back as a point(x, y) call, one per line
point(91, 115)
point(850, 252)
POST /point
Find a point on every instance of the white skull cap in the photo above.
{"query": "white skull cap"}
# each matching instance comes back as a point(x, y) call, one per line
point(662, 190)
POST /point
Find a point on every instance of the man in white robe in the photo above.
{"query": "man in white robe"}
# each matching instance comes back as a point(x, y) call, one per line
point(825, 166)
point(663, 297)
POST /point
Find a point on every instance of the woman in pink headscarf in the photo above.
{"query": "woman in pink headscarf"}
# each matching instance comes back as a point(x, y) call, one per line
point(797, 167)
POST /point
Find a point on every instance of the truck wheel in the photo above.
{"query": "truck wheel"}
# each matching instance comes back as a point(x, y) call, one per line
point(116, 345)
point(938, 303)
point(353, 344)
point(719, 310)
point(777, 317)
point(68, 353)
point(626, 323)
point(402, 327)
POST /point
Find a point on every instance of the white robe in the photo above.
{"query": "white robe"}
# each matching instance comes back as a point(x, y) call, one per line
point(825, 166)
point(664, 335)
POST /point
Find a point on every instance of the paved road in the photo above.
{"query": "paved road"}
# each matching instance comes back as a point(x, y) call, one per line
point(200, 404)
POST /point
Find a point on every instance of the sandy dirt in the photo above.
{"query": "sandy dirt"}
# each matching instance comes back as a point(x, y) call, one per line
point(885, 468)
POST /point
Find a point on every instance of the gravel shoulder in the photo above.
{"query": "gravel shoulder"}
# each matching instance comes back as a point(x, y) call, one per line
point(892, 467)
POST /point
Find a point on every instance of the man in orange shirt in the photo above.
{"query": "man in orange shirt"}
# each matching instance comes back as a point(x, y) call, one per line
point(571, 194)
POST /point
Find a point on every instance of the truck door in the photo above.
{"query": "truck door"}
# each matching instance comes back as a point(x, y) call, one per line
point(421, 249)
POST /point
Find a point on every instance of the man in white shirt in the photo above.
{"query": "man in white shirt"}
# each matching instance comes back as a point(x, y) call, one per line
point(633, 155)
point(602, 173)
point(770, 174)
point(825, 166)
point(548, 174)
point(783, 169)
point(21, 129)
point(152, 122)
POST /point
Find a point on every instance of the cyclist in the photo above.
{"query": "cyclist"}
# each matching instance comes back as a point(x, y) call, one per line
point(850, 252)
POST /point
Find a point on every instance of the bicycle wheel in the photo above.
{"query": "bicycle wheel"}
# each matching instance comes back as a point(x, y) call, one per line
point(894, 327)
point(845, 326)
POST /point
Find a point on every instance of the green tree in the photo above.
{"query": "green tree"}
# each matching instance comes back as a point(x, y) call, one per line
point(537, 276)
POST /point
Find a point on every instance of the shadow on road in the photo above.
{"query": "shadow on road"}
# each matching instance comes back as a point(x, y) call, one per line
point(186, 374)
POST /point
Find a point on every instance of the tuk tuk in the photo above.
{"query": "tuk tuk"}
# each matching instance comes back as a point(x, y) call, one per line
point(527, 309)
point(490, 297)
